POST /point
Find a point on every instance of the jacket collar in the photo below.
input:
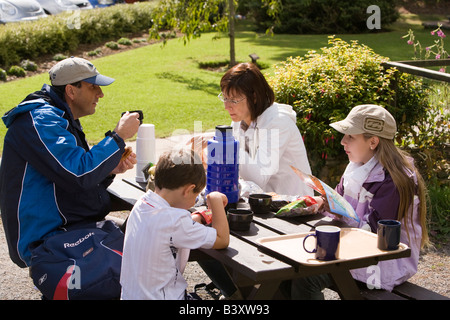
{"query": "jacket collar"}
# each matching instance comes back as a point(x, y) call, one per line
point(377, 174)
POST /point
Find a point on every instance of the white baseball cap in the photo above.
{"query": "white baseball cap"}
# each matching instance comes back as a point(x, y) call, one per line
point(368, 118)
point(75, 69)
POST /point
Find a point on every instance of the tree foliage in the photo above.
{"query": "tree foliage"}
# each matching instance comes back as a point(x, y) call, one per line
point(192, 17)
point(188, 17)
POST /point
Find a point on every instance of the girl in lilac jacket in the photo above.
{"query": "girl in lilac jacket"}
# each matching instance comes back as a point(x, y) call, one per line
point(380, 182)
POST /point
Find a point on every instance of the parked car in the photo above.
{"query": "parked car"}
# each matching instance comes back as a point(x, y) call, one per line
point(20, 10)
point(103, 3)
point(82, 4)
point(58, 6)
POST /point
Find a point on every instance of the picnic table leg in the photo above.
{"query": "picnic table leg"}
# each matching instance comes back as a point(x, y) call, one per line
point(262, 291)
point(346, 285)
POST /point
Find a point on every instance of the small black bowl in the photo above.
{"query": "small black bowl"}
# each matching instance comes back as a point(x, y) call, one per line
point(260, 202)
point(239, 219)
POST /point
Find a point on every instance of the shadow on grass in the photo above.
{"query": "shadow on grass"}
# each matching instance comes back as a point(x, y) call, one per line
point(192, 83)
point(287, 45)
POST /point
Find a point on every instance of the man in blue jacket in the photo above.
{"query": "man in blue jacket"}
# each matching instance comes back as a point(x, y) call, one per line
point(50, 179)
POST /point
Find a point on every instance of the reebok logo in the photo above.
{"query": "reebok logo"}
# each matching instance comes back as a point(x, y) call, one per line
point(76, 243)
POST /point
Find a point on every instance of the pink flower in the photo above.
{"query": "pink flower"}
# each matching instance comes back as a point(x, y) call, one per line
point(432, 33)
point(427, 48)
point(441, 34)
point(410, 42)
point(438, 56)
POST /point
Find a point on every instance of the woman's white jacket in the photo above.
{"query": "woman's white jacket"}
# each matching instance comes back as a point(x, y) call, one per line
point(269, 146)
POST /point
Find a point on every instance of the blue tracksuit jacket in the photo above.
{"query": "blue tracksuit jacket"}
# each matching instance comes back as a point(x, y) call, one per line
point(50, 180)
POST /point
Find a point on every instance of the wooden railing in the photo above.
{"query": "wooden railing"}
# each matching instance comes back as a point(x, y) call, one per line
point(417, 68)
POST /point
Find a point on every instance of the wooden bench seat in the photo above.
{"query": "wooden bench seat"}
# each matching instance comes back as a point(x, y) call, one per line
point(405, 291)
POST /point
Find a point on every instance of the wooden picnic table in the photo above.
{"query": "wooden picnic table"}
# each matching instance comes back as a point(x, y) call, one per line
point(256, 269)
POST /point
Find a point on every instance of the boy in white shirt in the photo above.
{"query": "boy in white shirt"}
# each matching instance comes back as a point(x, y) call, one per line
point(160, 231)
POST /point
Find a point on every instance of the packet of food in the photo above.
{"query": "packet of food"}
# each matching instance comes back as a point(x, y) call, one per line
point(206, 214)
point(126, 153)
point(303, 206)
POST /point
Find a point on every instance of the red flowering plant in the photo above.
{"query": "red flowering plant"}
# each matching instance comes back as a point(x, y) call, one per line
point(430, 138)
point(324, 86)
point(434, 51)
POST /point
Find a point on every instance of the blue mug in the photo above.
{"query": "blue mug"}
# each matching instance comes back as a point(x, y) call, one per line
point(388, 234)
point(327, 243)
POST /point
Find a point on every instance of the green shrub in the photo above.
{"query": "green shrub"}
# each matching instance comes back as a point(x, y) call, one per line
point(29, 65)
point(17, 71)
point(2, 75)
point(56, 33)
point(320, 16)
point(439, 211)
point(94, 52)
point(429, 142)
point(323, 87)
point(124, 42)
point(59, 57)
point(112, 45)
point(213, 64)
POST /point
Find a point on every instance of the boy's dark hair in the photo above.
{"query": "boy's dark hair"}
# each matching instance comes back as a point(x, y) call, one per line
point(179, 168)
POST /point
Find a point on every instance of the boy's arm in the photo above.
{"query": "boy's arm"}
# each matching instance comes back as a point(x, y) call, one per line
point(216, 202)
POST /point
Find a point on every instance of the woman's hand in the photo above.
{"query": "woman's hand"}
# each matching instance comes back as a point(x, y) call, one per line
point(198, 145)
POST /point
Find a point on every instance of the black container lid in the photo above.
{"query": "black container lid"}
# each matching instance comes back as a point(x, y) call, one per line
point(224, 132)
point(223, 128)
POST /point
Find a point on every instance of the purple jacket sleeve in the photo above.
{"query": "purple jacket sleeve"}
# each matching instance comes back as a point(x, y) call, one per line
point(385, 201)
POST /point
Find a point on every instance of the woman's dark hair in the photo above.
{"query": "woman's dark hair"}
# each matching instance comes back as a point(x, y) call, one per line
point(246, 79)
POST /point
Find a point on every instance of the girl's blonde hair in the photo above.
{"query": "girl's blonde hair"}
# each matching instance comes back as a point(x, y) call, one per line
point(397, 163)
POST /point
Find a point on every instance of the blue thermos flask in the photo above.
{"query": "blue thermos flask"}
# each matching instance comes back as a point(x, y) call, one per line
point(222, 172)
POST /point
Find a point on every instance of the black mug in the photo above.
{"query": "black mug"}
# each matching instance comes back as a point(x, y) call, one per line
point(388, 234)
point(260, 202)
point(239, 219)
point(141, 114)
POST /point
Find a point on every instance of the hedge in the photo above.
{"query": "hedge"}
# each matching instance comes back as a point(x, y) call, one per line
point(65, 32)
point(320, 16)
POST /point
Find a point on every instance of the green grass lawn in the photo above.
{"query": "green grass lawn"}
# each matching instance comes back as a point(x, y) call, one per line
point(174, 93)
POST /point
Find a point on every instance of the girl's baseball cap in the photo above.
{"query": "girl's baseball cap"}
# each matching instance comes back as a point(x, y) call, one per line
point(368, 118)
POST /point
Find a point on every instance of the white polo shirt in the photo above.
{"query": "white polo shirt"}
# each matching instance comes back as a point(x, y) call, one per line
point(158, 240)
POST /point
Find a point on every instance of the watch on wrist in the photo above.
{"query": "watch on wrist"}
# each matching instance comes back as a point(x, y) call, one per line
point(113, 135)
